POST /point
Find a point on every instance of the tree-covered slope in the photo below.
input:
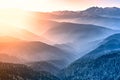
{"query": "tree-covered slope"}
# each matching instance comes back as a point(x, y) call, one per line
point(10, 71)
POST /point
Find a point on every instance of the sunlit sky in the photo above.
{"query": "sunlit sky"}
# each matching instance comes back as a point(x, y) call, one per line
point(55, 5)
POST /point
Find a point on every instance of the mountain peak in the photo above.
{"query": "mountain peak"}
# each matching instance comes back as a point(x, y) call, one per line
point(93, 8)
point(105, 8)
point(114, 11)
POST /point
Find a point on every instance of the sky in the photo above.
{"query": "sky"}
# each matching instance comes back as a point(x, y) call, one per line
point(56, 5)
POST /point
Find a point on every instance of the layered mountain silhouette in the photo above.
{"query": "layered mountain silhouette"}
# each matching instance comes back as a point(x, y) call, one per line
point(109, 22)
point(100, 63)
point(66, 33)
point(111, 43)
point(70, 32)
point(35, 51)
point(107, 17)
point(72, 45)
point(75, 37)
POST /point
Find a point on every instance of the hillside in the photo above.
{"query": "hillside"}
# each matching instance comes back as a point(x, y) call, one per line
point(22, 72)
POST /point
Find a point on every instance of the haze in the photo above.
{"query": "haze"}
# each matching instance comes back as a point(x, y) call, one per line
point(55, 5)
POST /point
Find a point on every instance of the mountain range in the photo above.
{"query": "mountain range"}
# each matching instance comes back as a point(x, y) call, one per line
point(100, 64)
point(70, 45)
point(107, 17)
point(108, 11)
point(35, 51)
point(75, 37)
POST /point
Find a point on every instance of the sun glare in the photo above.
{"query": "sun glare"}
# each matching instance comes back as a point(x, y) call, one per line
point(10, 18)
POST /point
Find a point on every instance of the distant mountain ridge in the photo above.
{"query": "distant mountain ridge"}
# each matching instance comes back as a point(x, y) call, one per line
point(106, 17)
point(72, 31)
point(110, 11)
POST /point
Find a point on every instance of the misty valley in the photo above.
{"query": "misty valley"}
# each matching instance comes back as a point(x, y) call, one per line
point(63, 45)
